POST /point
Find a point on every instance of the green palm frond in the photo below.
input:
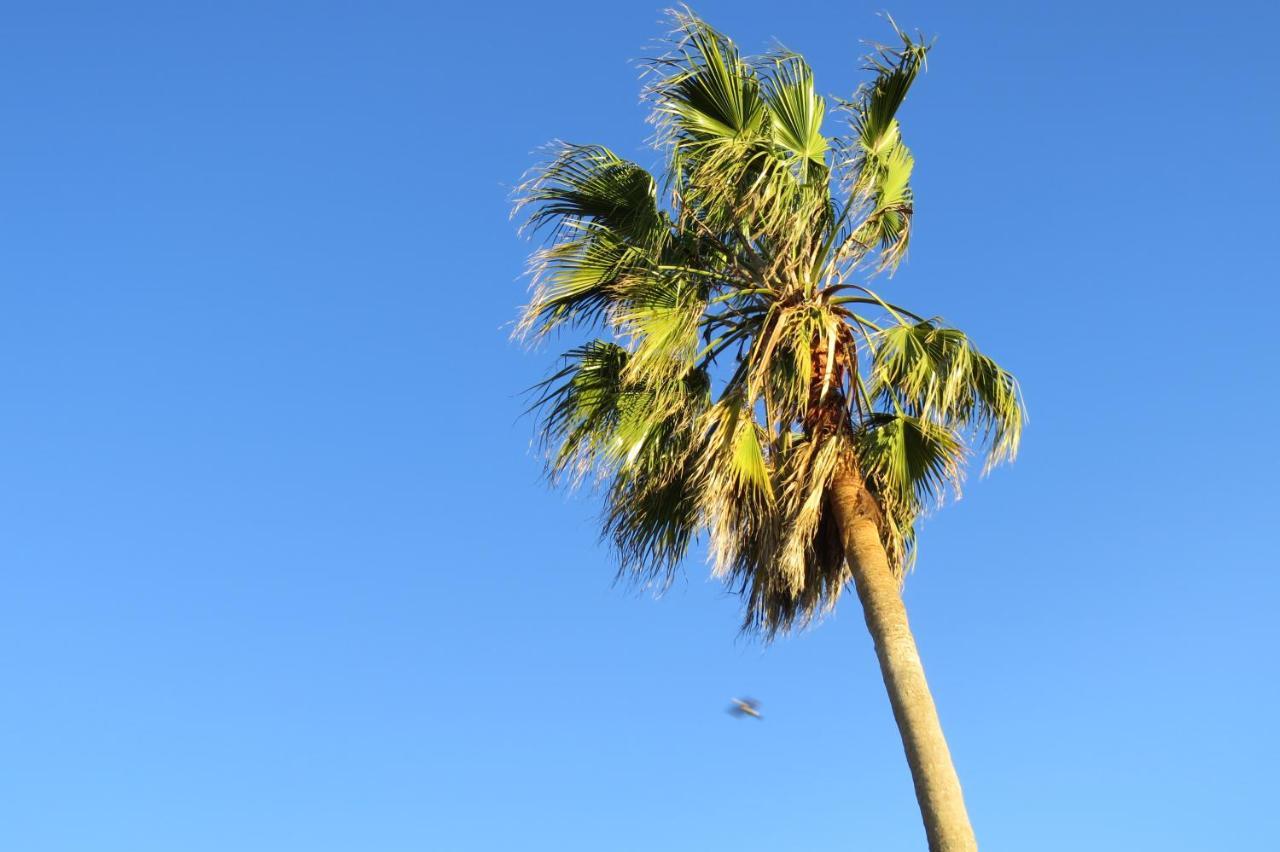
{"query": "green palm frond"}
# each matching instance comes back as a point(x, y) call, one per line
point(891, 204)
point(582, 406)
point(879, 163)
point(910, 462)
point(744, 361)
point(705, 92)
point(656, 503)
point(937, 373)
point(797, 111)
point(739, 488)
point(663, 319)
point(589, 183)
point(651, 518)
point(606, 229)
point(874, 112)
point(913, 459)
point(744, 136)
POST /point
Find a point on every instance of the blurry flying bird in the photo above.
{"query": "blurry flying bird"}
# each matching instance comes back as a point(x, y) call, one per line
point(745, 707)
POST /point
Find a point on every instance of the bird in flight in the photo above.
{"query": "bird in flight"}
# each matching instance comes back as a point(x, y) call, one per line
point(745, 707)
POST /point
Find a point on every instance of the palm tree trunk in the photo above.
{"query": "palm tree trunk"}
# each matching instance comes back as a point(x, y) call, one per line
point(946, 822)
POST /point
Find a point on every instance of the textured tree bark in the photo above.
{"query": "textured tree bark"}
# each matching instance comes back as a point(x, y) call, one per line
point(946, 822)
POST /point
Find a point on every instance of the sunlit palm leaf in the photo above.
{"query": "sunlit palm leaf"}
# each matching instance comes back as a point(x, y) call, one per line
point(910, 463)
point(605, 226)
point(879, 162)
point(797, 112)
point(936, 373)
point(705, 92)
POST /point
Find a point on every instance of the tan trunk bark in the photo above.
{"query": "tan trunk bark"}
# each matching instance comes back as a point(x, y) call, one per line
point(946, 823)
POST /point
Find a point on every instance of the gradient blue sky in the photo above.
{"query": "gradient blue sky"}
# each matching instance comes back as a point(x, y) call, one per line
point(278, 569)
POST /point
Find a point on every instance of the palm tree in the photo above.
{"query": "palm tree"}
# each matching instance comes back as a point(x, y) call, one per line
point(748, 384)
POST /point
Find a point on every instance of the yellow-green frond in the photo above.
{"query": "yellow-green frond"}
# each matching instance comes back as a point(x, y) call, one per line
point(797, 111)
point(704, 90)
point(605, 227)
point(936, 373)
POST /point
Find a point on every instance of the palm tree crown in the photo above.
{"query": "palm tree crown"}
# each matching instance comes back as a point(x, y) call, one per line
point(744, 361)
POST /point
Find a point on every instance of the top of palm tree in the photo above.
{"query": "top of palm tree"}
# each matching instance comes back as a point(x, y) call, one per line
point(743, 358)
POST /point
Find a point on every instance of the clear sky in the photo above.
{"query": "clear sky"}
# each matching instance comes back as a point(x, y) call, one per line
point(278, 568)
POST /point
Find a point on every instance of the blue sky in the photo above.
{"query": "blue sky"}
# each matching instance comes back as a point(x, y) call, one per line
point(279, 571)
